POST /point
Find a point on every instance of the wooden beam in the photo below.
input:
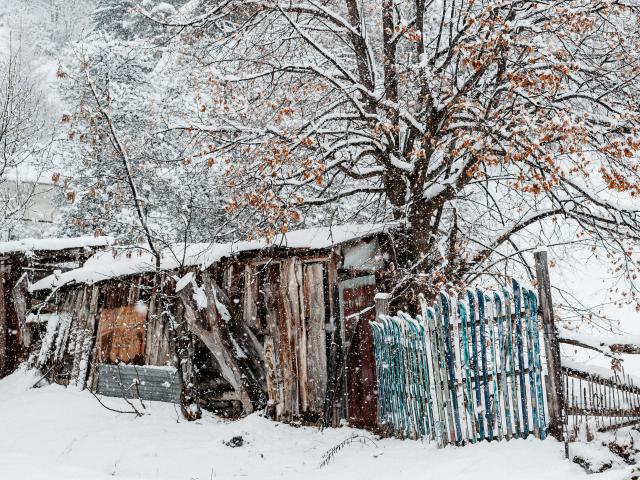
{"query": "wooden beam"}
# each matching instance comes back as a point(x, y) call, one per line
point(578, 343)
point(555, 393)
point(625, 348)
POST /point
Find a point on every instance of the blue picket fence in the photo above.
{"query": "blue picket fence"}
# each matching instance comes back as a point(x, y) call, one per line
point(468, 369)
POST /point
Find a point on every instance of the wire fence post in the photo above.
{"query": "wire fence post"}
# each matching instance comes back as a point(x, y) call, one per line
point(555, 393)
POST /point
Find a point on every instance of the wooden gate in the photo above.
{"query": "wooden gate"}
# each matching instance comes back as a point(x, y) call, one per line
point(469, 369)
point(358, 309)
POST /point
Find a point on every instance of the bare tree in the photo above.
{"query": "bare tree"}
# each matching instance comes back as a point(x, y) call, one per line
point(189, 408)
point(467, 122)
point(22, 150)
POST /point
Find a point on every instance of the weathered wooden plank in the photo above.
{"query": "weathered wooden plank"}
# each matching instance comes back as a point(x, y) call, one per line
point(272, 352)
point(299, 329)
point(474, 319)
point(555, 394)
point(157, 341)
point(447, 345)
point(467, 373)
point(3, 321)
point(122, 335)
point(288, 337)
point(20, 294)
point(334, 408)
point(314, 301)
point(429, 316)
point(511, 360)
point(80, 317)
point(503, 333)
point(250, 298)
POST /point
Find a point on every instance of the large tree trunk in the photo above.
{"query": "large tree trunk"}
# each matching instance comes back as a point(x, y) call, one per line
point(208, 317)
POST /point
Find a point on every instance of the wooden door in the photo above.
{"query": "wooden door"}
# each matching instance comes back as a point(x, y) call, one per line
point(122, 335)
point(357, 304)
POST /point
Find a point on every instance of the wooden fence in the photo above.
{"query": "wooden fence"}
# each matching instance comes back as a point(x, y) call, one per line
point(598, 402)
point(468, 369)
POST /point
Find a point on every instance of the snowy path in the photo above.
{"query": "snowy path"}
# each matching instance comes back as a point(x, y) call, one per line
point(54, 434)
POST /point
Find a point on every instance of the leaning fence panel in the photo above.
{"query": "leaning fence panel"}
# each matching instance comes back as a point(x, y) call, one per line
point(468, 369)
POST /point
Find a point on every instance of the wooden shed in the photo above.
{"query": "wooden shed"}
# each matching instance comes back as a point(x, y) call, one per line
point(22, 263)
point(250, 325)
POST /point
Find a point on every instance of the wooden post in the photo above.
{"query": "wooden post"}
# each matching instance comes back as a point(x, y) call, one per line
point(4, 301)
point(382, 304)
point(555, 392)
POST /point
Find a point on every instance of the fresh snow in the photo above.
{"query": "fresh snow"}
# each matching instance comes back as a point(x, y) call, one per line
point(200, 297)
point(53, 433)
point(53, 244)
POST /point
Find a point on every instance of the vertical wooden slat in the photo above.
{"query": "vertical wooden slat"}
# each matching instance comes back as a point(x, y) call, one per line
point(300, 333)
point(468, 393)
point(441, 425)
point(250, 298)
point(538, 365)
point(275, 352)
point(442, 340)
point(315, 330)
point(531, 365)
point(483, 363)
point(88, 350)
point(511, 329)
point(81, 313)
point(473, 322)
point(333, 407)
point(496, 408)
point(502, 349)
point(456, 394)
point(517, 297)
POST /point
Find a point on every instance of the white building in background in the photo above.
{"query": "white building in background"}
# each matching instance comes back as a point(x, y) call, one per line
point(33, 204)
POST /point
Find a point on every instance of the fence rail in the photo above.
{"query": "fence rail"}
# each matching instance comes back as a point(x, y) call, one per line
point(468, 369)
point(595, 402)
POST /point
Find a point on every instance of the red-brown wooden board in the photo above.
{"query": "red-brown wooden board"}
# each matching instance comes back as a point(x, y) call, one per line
point(122, 335)
point(360, 362)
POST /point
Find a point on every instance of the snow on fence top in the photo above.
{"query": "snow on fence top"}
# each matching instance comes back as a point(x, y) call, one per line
point(135, 260)
point(53, 244)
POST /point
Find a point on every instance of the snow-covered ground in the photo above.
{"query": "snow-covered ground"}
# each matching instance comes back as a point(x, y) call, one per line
point(55, 433)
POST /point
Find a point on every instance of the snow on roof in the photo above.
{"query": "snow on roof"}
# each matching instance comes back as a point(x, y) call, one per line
point(53, 244)
point(326, 237)
point(134, 260)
